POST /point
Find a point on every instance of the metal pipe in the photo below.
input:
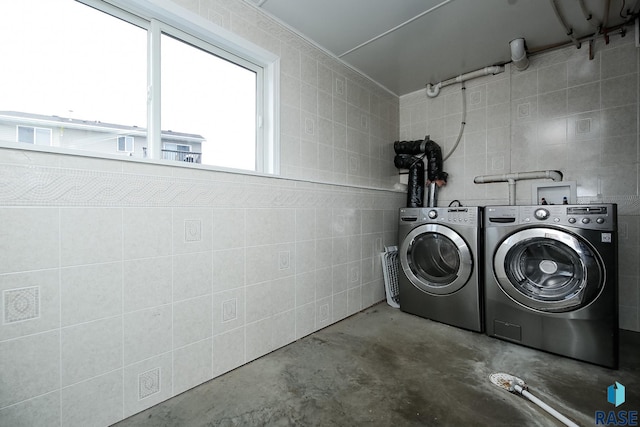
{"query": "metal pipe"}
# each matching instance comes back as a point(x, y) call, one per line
point(567, 28)
point(432, 195)
point(587, 14)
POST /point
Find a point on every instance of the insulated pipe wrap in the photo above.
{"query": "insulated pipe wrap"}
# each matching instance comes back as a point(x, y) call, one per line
point(415, 190)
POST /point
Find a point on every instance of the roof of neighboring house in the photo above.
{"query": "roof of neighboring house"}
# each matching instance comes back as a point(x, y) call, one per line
point(39, 119)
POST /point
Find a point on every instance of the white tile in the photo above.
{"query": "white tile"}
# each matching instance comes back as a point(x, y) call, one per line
point(324, 312)
point(270, 226)
point(192, 365)
point(147, 383)
point(284, 328)
point(192, 321)
point(259, 303)
point(324, 282)
point(583, 98)
point(90, 292)
point(305, 288)
point(43, 411)
point(305, 256)
point(372, 293)
point(354, 300)
point(366, 267)
point(228, 351)
point(305, 320)
point(619, 121)
point(147, 333)
point(340, 278)
point(147, 283)
point(30, 367)
point(283, 294)
point(620, 91)
point(90, 235)
point(305, 224)
point(91, 349)
point(552, 78)
point(192, 230)
point(228, 310)
point(269, 262)
point(39, 306)
point(147, 232)
point(354, 274)
point(618, 60)
point(339, 250)
point(192, 275)
point(96, 402)
point(228, 269)
point(259, 338)
point(582, 70)
point(354, 248)
point(340, 306)
point(324, 252)
point(32, 238)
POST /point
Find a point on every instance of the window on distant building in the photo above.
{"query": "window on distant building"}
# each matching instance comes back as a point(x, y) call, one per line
point(33, 135)
point(125, 143)
point(225, 99)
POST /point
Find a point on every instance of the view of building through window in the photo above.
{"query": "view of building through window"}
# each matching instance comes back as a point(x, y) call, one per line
point(76, 77)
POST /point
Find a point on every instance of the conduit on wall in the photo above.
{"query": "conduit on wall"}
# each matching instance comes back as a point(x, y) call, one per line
point(434, 90)
point(511, 178)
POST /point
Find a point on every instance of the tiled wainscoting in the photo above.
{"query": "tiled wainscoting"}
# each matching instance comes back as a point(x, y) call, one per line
point(124, 284)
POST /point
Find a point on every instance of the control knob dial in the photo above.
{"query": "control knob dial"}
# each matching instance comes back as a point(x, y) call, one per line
point(541, 214)
point(432, 214)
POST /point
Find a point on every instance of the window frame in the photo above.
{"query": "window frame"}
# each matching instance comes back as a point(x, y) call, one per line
point(127, 138)
point(157, 17)
point(35, 130)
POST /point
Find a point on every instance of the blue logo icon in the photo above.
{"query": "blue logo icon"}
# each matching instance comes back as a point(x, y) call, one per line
point(615, 394)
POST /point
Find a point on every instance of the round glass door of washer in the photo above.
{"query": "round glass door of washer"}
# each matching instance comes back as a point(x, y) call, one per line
point(436, 259)
point(548, 270)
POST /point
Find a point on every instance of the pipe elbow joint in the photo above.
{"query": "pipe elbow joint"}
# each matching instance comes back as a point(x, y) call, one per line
point(433, 90)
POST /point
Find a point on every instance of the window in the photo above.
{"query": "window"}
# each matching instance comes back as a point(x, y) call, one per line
point(32, 135)
point(125, 143)
point(184, 80)
point(176, 147)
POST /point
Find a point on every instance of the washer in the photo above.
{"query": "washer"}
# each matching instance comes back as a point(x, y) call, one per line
point(439, 259)
point(551, 279)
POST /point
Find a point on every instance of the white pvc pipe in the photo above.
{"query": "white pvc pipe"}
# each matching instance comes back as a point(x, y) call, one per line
point(566, 421)
point(434, 90)
point(511, 178)
point(519, 54)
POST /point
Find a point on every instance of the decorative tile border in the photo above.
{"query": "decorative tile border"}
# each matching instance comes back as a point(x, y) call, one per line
point(48, 186)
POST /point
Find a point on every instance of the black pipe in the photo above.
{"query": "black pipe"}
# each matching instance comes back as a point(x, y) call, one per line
point(415, 185)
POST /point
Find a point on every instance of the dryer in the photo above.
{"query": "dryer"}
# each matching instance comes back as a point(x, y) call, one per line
point(438, 253)
point(551, 279)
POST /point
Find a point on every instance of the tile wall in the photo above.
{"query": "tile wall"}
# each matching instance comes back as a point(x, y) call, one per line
point(565, 112)
point(125, 283)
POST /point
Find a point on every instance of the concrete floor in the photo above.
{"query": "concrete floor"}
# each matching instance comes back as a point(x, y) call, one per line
point(383, 367)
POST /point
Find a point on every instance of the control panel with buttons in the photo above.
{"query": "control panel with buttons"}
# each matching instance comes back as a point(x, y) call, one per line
point(596, 217)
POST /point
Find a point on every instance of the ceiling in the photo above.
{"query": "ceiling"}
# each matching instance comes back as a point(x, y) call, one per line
point(405, 44)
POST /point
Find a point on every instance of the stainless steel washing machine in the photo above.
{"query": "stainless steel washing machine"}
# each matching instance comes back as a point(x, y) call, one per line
point(439, 259)
point(551, 279)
